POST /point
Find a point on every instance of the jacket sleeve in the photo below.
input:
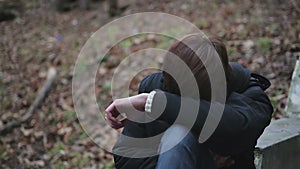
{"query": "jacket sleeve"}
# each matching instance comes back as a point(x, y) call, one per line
point(244, 118)
point(137, 130)
point(151, 82)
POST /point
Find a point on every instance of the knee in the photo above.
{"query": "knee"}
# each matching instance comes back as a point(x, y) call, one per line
point(176, 135)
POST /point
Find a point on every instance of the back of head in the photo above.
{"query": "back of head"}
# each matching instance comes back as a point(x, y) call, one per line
point(198, 53)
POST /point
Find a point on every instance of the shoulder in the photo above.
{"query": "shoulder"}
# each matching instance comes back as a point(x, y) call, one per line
point(151, 82)
point(251, 102)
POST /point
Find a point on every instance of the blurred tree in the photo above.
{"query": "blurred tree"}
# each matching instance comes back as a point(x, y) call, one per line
point(66, 5)
point(113, 7)
point(10, 9)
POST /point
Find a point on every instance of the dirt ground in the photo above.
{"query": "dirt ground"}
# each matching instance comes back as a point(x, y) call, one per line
point(262, 35)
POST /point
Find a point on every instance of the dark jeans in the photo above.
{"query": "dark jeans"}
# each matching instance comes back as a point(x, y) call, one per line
point(186, 154)
point(175, 153)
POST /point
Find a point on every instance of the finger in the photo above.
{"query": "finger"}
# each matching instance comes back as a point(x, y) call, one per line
point(112, 123)
point(112, 109)
point(124, 122)
point(113, 119)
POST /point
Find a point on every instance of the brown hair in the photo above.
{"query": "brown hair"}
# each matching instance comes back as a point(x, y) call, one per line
point(206, 49)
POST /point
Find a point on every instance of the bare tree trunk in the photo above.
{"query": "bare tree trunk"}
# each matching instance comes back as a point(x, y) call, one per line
point(113, 7)
point(84, 4)
point(9, 9)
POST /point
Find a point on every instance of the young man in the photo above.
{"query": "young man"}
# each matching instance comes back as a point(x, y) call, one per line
point(247, 112)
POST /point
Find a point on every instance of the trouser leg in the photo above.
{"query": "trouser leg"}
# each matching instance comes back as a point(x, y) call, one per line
point(124, 149)
point(186, 153)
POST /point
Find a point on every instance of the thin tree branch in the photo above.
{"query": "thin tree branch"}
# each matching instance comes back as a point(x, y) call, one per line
point(42, 94)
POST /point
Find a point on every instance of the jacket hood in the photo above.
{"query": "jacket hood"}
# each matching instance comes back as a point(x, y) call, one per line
point(240, 78)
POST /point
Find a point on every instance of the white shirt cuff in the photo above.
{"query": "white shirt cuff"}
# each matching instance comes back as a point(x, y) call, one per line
point(149, 101)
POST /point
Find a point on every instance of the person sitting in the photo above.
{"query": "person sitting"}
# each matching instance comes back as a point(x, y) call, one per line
point(247, 111)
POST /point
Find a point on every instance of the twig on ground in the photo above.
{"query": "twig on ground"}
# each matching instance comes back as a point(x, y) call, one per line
point(42, 94)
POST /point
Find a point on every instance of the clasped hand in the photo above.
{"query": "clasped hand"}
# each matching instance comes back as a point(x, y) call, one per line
point(133, 107)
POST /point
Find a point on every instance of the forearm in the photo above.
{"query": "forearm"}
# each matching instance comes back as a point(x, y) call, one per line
point(236, 129)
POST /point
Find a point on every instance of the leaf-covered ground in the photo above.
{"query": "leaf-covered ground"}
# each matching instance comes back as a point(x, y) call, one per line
point(261, 35)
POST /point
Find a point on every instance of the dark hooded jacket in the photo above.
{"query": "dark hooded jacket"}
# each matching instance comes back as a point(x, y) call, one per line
point(246, 114)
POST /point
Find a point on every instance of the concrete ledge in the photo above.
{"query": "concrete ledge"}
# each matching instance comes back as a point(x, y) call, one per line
point(279, 145)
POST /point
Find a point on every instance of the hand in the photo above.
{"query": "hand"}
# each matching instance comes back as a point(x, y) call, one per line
point(131, 106)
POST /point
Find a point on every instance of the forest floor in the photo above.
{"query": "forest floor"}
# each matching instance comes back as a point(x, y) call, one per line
point(261, 35)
